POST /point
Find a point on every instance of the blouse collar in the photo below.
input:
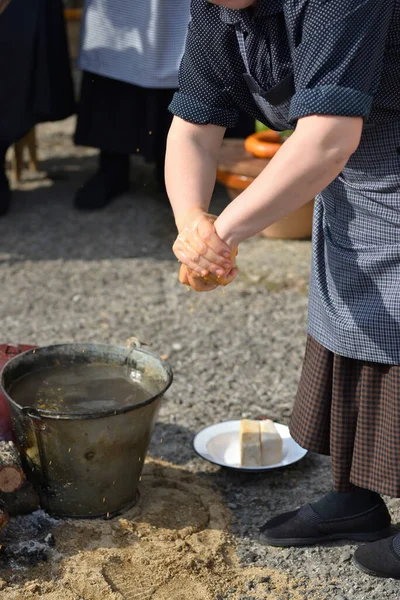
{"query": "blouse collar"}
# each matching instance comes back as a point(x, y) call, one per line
point(263, 8)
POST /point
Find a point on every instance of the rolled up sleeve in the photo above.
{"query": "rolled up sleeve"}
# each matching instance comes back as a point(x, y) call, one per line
point(339, 57)
point(202, 97)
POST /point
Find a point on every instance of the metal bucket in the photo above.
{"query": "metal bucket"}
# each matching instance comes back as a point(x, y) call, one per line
point(86, 465)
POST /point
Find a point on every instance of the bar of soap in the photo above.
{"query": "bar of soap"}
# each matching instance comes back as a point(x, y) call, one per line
point(271, 444)
point(260, 443)
point(250, 443)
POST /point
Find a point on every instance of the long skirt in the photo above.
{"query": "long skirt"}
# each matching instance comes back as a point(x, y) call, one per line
point(350, 409)
point(123, 118)
point(35, 78)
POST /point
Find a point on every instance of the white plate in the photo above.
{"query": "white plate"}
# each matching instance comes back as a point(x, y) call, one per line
point(219, 444)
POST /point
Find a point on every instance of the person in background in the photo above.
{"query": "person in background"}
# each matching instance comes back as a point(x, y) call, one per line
point(36, 83)
point(130, 56)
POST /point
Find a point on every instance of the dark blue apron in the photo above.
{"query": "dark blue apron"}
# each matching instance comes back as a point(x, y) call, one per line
point(274, 103)
point(354, 300)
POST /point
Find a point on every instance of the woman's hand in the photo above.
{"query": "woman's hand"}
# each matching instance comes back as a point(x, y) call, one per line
point(204, 284)
point(190, 278)
point(199, 247)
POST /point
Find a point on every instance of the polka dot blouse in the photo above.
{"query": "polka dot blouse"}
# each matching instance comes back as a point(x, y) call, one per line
point(344, 55)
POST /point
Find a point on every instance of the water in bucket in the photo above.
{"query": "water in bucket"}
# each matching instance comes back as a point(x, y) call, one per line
point(80, 388)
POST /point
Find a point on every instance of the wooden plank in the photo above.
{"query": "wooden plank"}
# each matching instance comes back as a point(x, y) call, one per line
point(72, 14)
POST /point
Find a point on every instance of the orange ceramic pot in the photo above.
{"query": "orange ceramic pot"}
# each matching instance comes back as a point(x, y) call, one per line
point(264, 144)
point(238, 168)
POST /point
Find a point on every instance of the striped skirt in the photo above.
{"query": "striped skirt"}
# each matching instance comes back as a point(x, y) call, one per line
point(350, 409)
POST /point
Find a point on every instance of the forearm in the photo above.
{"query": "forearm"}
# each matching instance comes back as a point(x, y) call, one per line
point(190, 167)
point(307, 162)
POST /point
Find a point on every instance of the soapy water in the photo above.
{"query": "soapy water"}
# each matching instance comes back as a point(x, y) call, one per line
point(80, 388)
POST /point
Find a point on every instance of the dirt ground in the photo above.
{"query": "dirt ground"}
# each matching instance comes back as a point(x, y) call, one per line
point(175, 544)
point(67, 276)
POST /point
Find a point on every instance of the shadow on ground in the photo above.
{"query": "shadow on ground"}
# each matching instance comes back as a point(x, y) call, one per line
point(252, 497)
point(43, 225)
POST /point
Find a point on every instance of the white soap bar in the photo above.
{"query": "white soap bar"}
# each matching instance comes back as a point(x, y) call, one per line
point(271, 444)
point(250, 446)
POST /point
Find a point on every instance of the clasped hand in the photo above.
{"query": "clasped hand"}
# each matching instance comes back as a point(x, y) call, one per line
point(207, 262)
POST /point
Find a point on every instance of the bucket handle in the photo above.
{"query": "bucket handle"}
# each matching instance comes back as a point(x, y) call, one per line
point(34, 415)
point(13, 349)
point(131, 344)
point(134, 342)
point(38, 427)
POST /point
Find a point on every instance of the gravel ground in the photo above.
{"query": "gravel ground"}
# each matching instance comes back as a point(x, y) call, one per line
point(235, 353)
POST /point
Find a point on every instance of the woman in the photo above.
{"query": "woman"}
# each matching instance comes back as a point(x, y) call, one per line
point(130, 55)
point(36, 83)
point(331, 69)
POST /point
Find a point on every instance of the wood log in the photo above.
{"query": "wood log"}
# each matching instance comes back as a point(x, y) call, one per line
point(12, 475)
point(4, 517)
point(22, 502)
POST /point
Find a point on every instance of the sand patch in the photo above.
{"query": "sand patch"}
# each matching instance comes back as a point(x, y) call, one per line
point(174, 545)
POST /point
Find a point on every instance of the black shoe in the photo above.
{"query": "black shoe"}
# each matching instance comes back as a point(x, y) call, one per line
point(380, 559)
point(110, 181)
point(304, 527)
point(5, 195)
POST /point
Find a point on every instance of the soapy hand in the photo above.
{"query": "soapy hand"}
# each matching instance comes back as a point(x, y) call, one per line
point(198, 283)
point(205, 284)
point(199, 247)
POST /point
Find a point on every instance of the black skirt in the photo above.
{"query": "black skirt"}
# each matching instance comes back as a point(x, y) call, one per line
point(120, 117)
point(123, 118)
point(35, 78)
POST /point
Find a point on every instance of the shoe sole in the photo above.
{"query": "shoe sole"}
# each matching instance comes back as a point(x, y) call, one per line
point(372, 536)
point(361, 567)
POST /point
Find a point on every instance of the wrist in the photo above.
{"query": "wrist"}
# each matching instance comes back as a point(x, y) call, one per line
point(183, 217)
point(226, 233)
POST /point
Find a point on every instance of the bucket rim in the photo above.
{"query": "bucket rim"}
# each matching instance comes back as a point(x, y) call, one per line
point(37, 413)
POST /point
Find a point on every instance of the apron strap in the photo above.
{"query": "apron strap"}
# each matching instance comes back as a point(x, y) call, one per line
point(242, 47)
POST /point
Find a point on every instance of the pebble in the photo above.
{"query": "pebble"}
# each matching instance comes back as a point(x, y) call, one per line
point(346, 557)
point(50, 540)
point(177, 347)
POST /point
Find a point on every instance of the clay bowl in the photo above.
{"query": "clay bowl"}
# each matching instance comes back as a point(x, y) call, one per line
point(238, 168)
